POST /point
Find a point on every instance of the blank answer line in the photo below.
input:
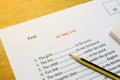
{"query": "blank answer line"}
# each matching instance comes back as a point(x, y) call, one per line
point(64, 50)
point(102, 62)
point(83, 70)
point(77, 67)
point(65, 60)
point(64, 55)
point(87, 57)
point(91, 72)
point(61, 56)
point(83, 54)
point(95, 77)
point(72, 69)
point(68, 65)
point(69, 53)
point(85, 75)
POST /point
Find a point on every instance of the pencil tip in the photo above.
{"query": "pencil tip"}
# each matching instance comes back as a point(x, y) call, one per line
point(70, 54)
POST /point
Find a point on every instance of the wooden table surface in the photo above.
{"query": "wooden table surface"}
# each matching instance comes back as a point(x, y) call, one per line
point(17, 11)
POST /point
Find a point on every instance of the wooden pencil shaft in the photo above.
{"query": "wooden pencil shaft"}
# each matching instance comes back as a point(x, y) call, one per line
point(101, 69)
point(96, 67)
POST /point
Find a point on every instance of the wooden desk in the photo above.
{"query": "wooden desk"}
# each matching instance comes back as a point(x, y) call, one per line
point(17, 11)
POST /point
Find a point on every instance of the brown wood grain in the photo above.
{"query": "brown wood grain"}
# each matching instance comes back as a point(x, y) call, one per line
point(5, 69)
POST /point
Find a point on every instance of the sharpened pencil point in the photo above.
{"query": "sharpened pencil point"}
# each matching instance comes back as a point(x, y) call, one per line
point(70, 54)
point(95, 67)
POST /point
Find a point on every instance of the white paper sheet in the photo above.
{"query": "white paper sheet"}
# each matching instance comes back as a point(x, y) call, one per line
point(38, 49)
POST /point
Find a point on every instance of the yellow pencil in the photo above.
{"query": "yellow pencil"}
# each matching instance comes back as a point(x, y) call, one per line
point(96, 68)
